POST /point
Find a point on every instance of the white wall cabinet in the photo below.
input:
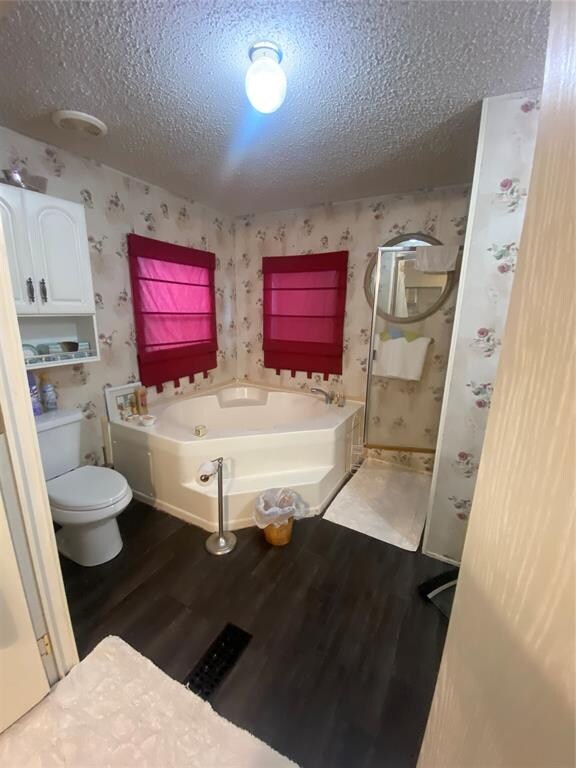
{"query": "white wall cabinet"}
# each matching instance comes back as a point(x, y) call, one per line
point(47, 248)
point(59, 245)
point(48, 253)
point(18, 249)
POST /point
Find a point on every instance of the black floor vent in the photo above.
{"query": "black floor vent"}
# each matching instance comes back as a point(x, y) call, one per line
point(218, 660)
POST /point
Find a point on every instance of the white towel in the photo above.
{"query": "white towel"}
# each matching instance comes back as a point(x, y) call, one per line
point(436, 258)
point(400, 359)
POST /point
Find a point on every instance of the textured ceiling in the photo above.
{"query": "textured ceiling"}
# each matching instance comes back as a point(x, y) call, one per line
point(382, 96)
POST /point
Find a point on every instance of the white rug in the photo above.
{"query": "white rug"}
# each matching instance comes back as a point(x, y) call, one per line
point(117, 710)
point(383, 501)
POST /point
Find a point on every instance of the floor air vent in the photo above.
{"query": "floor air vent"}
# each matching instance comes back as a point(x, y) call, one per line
point(218, 660)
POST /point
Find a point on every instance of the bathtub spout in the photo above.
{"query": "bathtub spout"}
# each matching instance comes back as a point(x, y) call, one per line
point(328, 396)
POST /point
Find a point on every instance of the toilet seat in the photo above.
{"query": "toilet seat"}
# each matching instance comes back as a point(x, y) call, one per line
point(87, 488)
point(85, 516)
point(87, 495)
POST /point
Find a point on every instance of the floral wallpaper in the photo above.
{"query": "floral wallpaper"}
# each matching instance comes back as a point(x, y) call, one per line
point(115, 205)
point(402, 412)
point(504, 164)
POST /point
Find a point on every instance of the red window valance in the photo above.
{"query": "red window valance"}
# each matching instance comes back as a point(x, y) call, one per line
point(174, 310)
point(304, 304)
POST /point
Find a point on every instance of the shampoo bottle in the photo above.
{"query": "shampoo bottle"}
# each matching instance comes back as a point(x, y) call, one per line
point(48, 395)
point(142, 400)
point(34, 394)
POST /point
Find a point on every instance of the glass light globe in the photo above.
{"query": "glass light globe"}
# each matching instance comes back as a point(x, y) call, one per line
point(265, 84)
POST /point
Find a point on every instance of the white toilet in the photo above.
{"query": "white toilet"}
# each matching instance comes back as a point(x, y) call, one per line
point(85, 501)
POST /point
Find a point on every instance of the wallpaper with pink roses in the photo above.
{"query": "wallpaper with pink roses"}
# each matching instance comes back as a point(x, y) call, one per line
point(116, 204)
point(504, 164)
point(402, 412)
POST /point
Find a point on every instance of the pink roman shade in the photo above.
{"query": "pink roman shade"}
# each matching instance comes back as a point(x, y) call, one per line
point(174, 310)
point(304, 305)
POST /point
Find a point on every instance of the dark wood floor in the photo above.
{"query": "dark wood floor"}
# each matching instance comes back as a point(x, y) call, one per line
point(341, 668)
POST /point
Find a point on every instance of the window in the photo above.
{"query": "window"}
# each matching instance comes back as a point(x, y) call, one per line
point(174, 310)
point(304, 304)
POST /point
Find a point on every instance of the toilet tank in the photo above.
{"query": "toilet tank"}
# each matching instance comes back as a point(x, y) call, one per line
point(59, 438)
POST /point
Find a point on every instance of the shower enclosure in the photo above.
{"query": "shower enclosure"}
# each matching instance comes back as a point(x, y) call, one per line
point(410, 286)
point(436, 421)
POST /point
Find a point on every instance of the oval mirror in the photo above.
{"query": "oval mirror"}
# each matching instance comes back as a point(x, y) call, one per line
point(407, 293)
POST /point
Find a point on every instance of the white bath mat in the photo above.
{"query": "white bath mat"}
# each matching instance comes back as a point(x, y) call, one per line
point(385, 502)
point(117, 710)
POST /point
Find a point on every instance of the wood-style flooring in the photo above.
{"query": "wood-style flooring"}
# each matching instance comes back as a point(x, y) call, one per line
point(342, 665)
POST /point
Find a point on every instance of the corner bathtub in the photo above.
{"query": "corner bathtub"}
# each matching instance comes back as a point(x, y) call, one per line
point(268, 439)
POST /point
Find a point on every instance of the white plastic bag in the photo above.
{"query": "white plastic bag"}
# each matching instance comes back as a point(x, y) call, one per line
point(277, 505)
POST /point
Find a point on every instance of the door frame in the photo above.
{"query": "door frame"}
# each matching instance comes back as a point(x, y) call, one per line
point(22, 443)
point(22, 672)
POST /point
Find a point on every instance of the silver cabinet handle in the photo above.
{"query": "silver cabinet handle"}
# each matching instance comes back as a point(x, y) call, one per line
point(43, 291)
point(30, 290)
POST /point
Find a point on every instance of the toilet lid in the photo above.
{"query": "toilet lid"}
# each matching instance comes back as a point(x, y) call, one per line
point(87, 488)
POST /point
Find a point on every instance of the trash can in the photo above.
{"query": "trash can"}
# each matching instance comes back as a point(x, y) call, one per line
point(275, 512)
point(279, 535)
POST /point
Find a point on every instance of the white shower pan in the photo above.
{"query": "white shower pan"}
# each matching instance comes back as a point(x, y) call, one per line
point(268, 438)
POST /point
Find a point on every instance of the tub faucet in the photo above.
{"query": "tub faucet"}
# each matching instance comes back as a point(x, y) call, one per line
point(328, 396)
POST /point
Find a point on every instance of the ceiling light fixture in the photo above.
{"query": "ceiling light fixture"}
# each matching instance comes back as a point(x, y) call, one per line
point(265, 78)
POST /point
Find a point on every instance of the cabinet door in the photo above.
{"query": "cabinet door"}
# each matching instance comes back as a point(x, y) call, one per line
point(59, 245)
point(24, 286)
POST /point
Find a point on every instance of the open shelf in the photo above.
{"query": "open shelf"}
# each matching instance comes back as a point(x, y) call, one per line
point(46, 332)
point(62, 358)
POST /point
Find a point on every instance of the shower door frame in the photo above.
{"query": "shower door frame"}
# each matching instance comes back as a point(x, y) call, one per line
point(377, 273)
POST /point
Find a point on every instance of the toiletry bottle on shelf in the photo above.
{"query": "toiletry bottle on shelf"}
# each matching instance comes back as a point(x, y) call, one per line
point(48, 395)
point(133, 404)
point(142, 401)
point(34, 394)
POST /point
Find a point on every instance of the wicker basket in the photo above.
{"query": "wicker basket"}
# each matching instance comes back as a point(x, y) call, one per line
point(279, 535)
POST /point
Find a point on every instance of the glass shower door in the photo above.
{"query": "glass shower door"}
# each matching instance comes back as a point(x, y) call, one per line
point(410, 289)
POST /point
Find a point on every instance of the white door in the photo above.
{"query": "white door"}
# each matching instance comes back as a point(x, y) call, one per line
point(19, 257)
point(23, 681)
point(59, 245)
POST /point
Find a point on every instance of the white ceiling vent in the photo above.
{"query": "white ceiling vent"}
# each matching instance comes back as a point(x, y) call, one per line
point(81, 122)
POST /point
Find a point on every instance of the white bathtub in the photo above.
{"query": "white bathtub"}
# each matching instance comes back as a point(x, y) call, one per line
point(268, 439)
